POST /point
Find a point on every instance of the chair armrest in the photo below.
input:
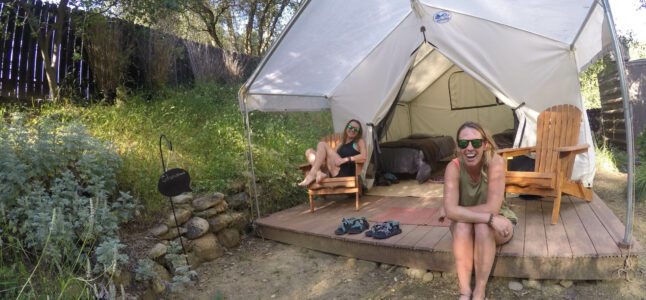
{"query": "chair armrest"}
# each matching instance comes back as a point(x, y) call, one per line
point(510, 152)
point(305, 168)
point(573, 149)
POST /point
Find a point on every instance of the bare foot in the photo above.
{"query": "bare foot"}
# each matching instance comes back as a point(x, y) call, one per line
point(308, 180)
point(320, 176)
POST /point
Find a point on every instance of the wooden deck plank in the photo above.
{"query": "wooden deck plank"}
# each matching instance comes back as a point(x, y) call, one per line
point(446, 242)
point(515, 246)
point(601, 239)
point(430, 247)
point(558, 244)
point(414, 236)
point(580, 242)
point(614, 226)
point(432, 237)
point(537, 244)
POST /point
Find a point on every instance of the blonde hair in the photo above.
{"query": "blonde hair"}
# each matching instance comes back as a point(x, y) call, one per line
point(490, 148)
point(345, 131)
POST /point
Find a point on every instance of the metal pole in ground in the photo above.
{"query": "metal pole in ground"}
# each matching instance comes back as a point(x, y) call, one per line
point(626, 242)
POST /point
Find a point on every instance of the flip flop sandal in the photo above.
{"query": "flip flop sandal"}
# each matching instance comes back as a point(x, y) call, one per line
point(359, 226)
point(391, 228)
point(374, 229)
point(345, 226)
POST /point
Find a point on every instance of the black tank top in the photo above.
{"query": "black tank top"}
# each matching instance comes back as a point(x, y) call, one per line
point(346, 150)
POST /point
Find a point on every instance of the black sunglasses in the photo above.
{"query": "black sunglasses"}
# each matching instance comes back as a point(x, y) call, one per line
point(476, 143)
point(356, 129)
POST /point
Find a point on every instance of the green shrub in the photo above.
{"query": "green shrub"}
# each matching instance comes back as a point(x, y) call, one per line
point(59, 196)
point(206, 128)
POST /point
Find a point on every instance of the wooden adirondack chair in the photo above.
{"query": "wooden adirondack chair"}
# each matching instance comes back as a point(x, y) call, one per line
point(338, 185)
point(556, 147)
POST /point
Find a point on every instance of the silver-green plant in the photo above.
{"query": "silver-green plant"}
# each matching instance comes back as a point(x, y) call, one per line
point(182, 273)
point(47, 165)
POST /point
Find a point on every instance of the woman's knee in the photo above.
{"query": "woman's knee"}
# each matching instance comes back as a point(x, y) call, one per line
point(483, 230)
point(323, 145)
point(462, 229)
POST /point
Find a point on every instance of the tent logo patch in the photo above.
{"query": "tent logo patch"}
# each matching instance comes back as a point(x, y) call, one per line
point(442, 17)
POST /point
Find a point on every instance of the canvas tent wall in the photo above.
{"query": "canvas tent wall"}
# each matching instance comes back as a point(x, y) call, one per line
point(437, 97)
point(352, 56)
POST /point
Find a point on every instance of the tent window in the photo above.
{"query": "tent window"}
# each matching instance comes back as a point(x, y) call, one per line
point(467, 93)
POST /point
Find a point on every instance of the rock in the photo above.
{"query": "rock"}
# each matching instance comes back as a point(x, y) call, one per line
point(149, 294)
point(172, 233)
point(238, 201)
point(159, 229)
point(428, 277)
point(532, 283)
point(158, 286)
point(207, 247)
point(385, 266)
point(182, 198)
point(449, 275)
point(515, 286)
point(566, 283)
point(158, 250)
point(416, 273)
point(365, 266)
point(437, 274)
point(229, 237)
point(123, 277)
point(194, 260)
point(208, 201)
point(219, 222)
point(188, 245)
point(182, 216)
point(238, 221)
point(221, 206)
point(196, 227)
point(351, 263)
point(207, 213)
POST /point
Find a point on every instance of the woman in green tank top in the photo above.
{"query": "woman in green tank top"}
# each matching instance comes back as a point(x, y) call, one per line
point(474, 192)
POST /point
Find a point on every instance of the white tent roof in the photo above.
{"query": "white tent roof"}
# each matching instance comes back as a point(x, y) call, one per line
point(351, 56)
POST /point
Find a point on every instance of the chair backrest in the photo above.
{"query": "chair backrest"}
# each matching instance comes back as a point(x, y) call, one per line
point(557, 126)
point(333, 139)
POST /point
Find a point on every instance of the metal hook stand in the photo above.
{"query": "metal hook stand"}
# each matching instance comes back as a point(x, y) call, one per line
point(170, 149)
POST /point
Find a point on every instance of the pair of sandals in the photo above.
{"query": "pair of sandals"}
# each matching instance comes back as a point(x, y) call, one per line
point(384, 230)
point(352, 226)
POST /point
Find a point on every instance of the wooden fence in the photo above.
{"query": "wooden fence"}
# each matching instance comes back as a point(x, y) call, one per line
point(22, 72)
point(613, 125)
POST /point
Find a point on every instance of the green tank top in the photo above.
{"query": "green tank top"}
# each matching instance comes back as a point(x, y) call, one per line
point(472, 194)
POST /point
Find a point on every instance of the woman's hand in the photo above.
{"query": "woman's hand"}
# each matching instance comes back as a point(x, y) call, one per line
point(442, 214)
point(341, 160)
point(500, 225)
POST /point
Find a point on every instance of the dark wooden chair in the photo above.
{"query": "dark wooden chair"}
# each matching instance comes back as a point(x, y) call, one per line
point(338, 185)
point(556, 146)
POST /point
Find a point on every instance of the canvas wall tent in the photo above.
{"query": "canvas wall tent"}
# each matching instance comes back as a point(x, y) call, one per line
point(354, 57)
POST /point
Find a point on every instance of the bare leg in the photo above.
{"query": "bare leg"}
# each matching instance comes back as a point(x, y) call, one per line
point(323, 152)
point(463, 252)
point(484, 253)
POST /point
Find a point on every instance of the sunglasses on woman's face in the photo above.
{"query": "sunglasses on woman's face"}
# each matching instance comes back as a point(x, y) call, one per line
point(356, 129)
point(476, 143)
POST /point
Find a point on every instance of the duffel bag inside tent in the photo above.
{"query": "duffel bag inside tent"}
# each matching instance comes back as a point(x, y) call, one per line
point(426, 66)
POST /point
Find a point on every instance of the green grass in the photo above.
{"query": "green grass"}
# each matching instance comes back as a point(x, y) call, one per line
point(206, 128)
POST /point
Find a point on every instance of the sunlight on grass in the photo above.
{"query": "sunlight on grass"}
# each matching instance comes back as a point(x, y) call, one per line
point(606, 160)
point(205, 126)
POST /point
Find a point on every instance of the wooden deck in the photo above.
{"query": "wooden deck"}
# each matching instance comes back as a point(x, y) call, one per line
point(581, 246)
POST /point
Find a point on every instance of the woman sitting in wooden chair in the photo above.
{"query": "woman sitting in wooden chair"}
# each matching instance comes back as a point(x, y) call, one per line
point(337, 162)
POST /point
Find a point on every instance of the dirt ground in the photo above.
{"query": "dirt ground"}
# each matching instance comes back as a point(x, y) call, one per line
point(264, 269)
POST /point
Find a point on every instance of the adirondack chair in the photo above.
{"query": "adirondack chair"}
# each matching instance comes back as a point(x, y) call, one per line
point(556, 147)
point(338, 185)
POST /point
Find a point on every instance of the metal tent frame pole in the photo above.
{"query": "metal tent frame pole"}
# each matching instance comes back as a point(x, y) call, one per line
point(253, 170)
point(626, 242)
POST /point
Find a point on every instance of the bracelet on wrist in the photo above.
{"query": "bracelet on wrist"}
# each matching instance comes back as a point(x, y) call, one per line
point(490, 220)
